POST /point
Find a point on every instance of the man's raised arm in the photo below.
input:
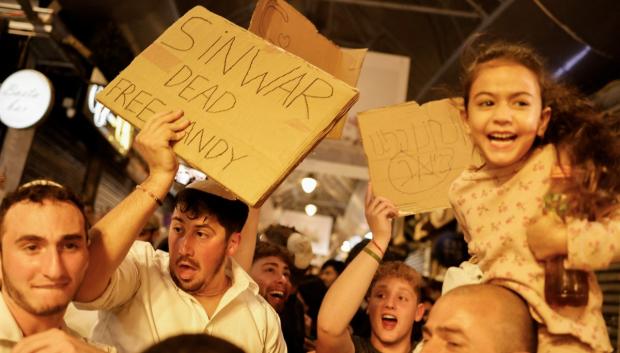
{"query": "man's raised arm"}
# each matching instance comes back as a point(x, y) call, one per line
point(113, 235)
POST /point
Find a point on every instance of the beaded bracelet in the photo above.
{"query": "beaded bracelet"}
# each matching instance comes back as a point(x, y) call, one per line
point(373, 255)
point(148, 192)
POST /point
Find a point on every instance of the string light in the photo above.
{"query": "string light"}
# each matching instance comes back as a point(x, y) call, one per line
point(311, 209)
point(308, 184)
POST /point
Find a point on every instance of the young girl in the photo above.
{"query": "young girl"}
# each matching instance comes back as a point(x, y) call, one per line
point(525, 125)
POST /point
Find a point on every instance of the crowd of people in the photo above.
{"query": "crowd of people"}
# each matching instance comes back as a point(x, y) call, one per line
point(221, 288)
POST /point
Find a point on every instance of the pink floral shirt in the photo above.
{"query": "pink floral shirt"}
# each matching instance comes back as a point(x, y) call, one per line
point(495, 207)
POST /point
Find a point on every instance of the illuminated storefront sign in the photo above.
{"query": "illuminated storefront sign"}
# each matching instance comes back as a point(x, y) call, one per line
point(25, 99)
point(117, 130)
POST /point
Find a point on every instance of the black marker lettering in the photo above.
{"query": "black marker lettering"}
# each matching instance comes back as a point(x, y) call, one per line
point(191, 41)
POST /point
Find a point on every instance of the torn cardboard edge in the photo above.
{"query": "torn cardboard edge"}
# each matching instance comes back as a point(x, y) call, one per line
point(281, 24)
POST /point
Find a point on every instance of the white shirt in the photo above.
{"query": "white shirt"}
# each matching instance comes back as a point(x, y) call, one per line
point(10, 333)
point(142, 306)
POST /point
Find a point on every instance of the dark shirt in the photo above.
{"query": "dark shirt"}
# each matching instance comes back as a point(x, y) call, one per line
point(292, 322)
point(362, 345)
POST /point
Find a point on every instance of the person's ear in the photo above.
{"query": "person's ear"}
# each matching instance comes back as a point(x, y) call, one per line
point(419, 312)
point(545, 117)
point(233, 243)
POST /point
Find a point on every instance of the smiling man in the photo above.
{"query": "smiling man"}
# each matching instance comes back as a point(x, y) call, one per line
point(479, 318)
point(393, 294)
point(44, 255)
point(271, 269)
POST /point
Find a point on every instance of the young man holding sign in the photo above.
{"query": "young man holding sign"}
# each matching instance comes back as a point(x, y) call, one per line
point(146, 296)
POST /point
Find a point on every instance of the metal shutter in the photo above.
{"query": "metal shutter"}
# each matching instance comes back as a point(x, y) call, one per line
point(112, 189)
point(609, 280)
point(56, 155)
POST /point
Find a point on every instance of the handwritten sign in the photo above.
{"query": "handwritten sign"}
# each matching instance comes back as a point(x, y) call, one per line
point(255, 109)
point(414, 152)
point(281, 24)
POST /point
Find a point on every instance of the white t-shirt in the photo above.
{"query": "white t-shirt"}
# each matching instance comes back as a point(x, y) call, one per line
point(142, 306)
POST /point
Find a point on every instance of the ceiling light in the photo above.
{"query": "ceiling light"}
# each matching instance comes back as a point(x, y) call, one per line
point(308, 184)
point(311, 209)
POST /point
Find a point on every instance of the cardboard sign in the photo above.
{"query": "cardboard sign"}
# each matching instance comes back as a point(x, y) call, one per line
point(281, 24)
point(414, 152)
point(256, 110)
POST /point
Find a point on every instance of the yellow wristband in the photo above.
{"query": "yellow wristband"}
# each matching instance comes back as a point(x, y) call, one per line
point(377, 246)
point(148, 192)
point(373, 255)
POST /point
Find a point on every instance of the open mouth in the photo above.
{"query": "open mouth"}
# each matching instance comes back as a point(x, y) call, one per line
point(186, 266)
point(276, 294)
point(502, 136)
point(388, 321)
point(185, 271)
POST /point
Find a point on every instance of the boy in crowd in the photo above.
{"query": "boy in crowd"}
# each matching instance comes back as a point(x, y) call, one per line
point(393, 294)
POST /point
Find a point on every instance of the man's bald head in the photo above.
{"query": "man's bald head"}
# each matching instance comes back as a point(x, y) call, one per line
point(480, 318)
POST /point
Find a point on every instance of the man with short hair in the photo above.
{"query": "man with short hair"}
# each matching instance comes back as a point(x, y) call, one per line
point(43, 255)
point(392, 292)
point(480, 318)
point(271, 270)
point(145, 296)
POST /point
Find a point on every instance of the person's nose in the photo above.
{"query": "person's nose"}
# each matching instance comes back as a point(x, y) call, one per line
point(281, 277)
point(390, 302)
point(186, 245)
point(53, 266)
point(502, 115)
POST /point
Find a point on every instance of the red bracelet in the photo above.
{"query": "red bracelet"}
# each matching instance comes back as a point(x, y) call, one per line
point(377, 246)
